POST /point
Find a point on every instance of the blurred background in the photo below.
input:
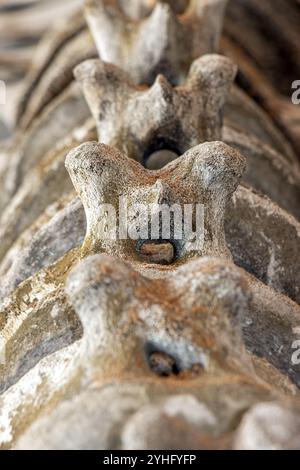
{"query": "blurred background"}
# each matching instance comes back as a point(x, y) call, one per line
point(22, 24)
point(263, 37)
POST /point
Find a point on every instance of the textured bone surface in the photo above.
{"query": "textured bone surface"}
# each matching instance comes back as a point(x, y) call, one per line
point(207, 174)
point(103, 292)
point(213, 171)
point(181, 116)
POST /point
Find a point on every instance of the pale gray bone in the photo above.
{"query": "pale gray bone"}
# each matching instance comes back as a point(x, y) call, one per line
point(263, 239)
point(103, 292)
point(58, 76)
point(182, 116)
point(213, 171)
point(160, 43)
point(269, 426)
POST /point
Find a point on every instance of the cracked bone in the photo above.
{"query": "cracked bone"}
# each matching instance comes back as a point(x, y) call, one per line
point(114, 304)
point(267, 170)
point(257, 232)
point(29, 154)
point(37, 297)
point(38, 319)
point(285, 192)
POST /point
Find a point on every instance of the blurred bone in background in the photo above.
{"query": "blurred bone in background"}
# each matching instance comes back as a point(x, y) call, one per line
point(262, 37)
point(22, 24)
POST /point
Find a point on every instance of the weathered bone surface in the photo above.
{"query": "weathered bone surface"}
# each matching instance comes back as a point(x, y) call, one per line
point(66, 34)
point(267, 170)
point(284, 190)
point(67, 31)
point(245, 115)
point(274, 162)
point(58, 77)
point(207, 174)
point(211, 168)
point(262, 239)
point(181, 116)
point(116, 308)
point(127, 303)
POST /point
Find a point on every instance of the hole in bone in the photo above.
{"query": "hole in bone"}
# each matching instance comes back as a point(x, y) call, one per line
point(160, 158)
point(162, 364)
point(157, 251)
point(162, 361)
point(160, 151)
